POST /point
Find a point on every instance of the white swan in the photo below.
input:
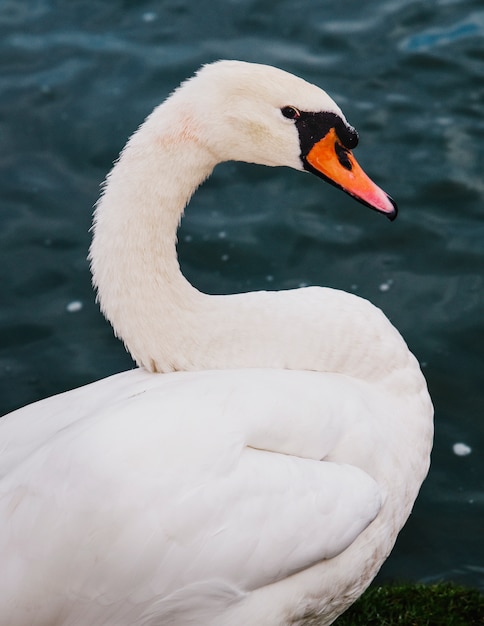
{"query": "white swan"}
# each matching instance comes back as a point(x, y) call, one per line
point(266, 489)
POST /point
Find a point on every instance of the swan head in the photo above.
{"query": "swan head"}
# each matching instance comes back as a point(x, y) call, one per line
point(260, 114)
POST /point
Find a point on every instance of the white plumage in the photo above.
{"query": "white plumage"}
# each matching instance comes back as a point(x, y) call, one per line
point(264, 486)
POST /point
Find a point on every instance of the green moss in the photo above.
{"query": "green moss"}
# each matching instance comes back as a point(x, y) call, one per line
point(443, 604)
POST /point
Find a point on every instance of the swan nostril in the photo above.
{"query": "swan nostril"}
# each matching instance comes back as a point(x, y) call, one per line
point(342, 154)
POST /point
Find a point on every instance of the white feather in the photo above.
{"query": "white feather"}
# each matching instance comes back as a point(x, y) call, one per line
point(265, 486)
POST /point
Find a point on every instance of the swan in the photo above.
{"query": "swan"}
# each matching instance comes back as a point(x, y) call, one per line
point(258, 465)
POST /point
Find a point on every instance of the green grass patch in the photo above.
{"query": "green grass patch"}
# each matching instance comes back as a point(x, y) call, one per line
point(442, 604)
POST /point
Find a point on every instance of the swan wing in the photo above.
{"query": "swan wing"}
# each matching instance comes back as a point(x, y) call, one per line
point(186, 479)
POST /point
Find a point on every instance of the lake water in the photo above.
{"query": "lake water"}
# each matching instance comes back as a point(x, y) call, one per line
point(77, 78)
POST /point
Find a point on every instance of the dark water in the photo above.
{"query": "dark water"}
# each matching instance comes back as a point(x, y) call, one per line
point(76, 79)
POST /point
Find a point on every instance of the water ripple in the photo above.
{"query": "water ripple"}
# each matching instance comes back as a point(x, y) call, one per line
point(472, 26)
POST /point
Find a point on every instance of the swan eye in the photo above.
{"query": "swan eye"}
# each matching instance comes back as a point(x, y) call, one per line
point(291, 113)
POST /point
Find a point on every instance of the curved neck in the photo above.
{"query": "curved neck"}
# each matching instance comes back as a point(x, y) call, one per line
point(168, 325)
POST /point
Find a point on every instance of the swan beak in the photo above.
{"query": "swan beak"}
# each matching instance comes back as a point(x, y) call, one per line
point(331, 160)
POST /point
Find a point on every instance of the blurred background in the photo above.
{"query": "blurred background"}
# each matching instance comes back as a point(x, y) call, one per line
point(77, 78)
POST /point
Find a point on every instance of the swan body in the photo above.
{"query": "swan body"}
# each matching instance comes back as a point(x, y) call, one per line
point(259, 464)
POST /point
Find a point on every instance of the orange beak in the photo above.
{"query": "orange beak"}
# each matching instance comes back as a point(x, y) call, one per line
point(331, 160)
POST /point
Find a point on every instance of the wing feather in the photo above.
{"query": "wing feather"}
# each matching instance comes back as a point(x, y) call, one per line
point(179, 480)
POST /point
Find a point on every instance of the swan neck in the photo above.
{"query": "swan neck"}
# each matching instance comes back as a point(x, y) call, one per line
point(167, 324)
point(133, 253)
